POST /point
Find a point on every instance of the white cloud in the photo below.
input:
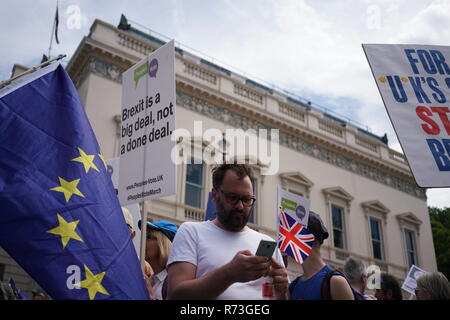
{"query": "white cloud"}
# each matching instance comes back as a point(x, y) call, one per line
point(438, 197)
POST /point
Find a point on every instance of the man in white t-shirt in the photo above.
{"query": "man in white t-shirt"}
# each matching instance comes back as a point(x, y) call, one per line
point(215, 259)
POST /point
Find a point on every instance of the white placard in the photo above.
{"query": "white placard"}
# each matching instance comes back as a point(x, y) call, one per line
point(113, 165)
point(414, 82)
point(410, 282)
point(297, 206)
point(148, 119)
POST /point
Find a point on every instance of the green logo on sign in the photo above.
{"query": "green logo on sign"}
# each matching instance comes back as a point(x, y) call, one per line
point(140, 72)
point(288, 204)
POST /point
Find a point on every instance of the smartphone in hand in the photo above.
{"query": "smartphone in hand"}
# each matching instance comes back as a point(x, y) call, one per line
point(266, 248)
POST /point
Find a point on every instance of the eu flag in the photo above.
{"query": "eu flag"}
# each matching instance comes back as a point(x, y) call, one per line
point(210, 209)
point(60, 218)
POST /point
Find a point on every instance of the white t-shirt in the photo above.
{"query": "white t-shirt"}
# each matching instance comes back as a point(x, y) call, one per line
point(157, 281)
point(208, 247)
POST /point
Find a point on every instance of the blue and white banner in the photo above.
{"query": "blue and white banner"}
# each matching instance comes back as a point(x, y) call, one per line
point(414, 83)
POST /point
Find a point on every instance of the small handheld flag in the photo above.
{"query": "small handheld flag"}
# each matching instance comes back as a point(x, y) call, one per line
point(293, 238)
point(293, 215)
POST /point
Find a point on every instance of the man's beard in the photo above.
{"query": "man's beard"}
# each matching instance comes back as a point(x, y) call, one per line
point(234, 219)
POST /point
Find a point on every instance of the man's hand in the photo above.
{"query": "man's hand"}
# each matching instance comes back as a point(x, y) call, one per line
point(245, 267)
point(280, 280)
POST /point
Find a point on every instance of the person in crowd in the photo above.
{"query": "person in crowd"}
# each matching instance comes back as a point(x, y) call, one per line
point(432, 286)
point(319, 281)
point(390, 288)
point(148, 271)
point(355, 272)
point(129, 221)
point(216, 259)
point(6, 293)
point(38, 295)
point(158, 245)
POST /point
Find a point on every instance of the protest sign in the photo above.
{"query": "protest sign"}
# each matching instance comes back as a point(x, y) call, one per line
point(113, 168)
point(410, 282)
point(414, 83)
point(148, 119)
point(293, 236)
point(294, 204)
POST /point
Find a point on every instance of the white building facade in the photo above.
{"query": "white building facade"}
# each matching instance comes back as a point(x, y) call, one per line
point(363, 190)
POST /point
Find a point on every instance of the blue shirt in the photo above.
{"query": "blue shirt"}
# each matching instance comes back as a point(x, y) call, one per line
point(310, 289)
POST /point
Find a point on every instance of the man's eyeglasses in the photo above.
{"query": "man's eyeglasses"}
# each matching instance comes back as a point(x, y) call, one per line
point(233, 198)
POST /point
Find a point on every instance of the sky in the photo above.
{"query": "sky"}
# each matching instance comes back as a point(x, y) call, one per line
point(310, 48)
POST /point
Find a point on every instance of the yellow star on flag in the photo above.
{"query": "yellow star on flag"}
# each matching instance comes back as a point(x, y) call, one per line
point(103, 159)
point(68, 188)
point(87, 160)
point(93, 283)
point(66, 230)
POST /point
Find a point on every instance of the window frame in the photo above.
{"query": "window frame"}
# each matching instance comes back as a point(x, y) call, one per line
point(343, 230)
point(202, 187)
point(414, 244)
point(378, 211)
point(381, 240)
point(408, 221)
point(339, 197)
point(297, 183)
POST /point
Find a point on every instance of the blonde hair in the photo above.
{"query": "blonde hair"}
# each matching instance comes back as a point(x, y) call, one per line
point(436, 284)
point(164, 245)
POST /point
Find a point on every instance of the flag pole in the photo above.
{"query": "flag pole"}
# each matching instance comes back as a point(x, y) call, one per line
point(31, 70)
point(53, 31)
point(143, 235)
point(51, 39)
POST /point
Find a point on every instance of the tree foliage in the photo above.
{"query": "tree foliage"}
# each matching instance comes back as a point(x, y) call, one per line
point(440, 226)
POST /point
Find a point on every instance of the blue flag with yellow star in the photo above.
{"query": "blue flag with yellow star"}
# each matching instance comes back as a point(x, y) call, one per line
point(60, 218)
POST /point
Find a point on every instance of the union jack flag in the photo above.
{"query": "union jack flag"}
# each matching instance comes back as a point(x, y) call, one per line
point(293, 238)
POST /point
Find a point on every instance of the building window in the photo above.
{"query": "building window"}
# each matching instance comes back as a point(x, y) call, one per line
point(296, 183)
point(338, 203)
point(376, 214)
point(410, 247)
point(410, 229)
point(338, 227)
point(377, 244)
point(194, 185)
point(296, 192)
